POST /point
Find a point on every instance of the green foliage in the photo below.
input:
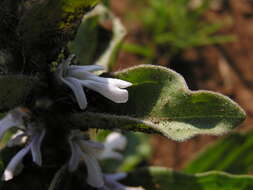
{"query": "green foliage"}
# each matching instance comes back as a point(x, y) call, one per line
point(160, 101)
point(85, 43)
point(91, 31)
point(172, 26)
point(231, 154)
point(138, 49)
point(165, 179)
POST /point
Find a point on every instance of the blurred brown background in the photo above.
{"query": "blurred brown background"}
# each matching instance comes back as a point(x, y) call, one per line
point(225, 68)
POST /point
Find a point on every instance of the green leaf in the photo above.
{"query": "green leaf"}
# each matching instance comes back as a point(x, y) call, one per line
point(14, 90)
point(232, 154)
point(160, 101)
point(165, 179)
point(86, 45)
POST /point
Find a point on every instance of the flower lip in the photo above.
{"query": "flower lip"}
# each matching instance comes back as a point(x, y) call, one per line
point(15, 161)
point(114, 141)
point(76, 77)
point(32, 135)
point(86, 151)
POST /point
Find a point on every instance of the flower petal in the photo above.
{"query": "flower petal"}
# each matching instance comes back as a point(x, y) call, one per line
point(115, 82)
point(78, 91)
point(91, 148)
point(8, 122)
point(116, 141)
point(89, 68)
point(75, 157)
point(15, 161)
point(14, 118)
point(36, 145)
point(134, 188)
point(89, 76)
point(112, 184)
point(87, 145)
point(19, 138)
point(81, 75)
point(109, 154)
point(111, 92)
point(85, 75)
point(95, 175)
point(116, 176)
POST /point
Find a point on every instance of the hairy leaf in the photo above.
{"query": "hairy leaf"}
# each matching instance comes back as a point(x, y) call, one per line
point(91, 30)
point(165, 179)
point(232, 154)
point(160, 101)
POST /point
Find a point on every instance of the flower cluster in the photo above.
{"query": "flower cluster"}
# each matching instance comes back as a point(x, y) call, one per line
point(77, 77)
point(90, 152)
point(30, 134)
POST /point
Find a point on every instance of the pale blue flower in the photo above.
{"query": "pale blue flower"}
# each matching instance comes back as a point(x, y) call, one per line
point(114, 142)
point(89, 152)
point(14, 118)
point(86, 151)
point(32, 135)
point(77, 77)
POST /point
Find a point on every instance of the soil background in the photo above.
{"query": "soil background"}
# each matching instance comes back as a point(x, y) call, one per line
point(226, 68)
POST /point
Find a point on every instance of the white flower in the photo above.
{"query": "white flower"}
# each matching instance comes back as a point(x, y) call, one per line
point(114, 141)
point(77, 77)
point(87, 151)
point(112, 184)
point(32, 135)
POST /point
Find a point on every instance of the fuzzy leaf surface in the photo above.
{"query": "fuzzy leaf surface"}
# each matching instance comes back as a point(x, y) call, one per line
point(93, 30)
point(160, 101)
